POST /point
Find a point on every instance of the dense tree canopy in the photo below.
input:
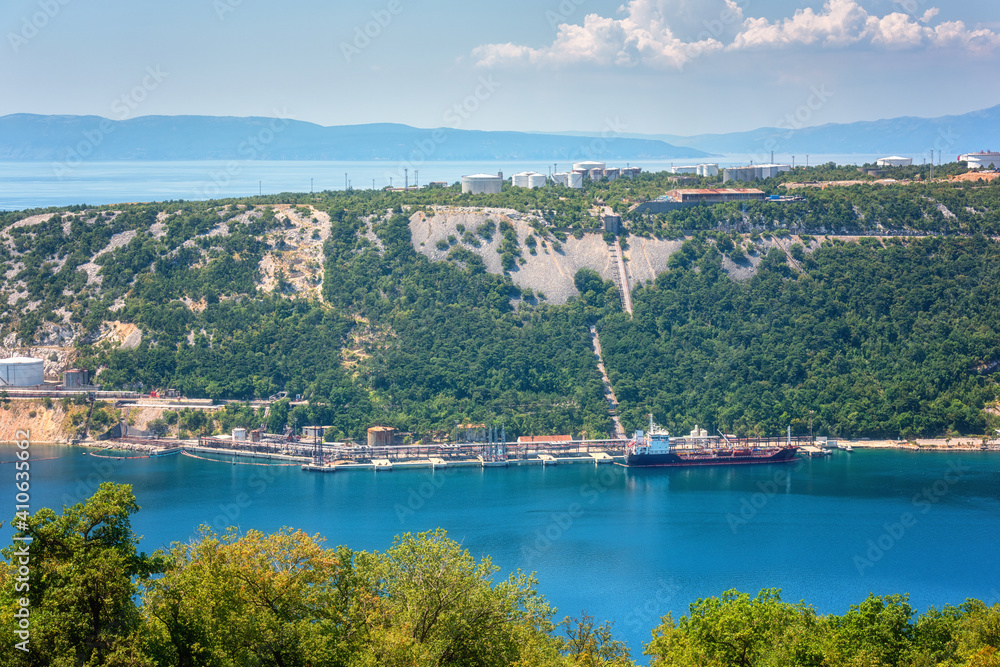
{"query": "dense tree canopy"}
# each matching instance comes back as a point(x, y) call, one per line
point(878, 340)
point(878, 337)
point(285, 599)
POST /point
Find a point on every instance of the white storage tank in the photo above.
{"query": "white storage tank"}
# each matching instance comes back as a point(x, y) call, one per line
point(590, 166)
point(21, 372)
point(561, 179)
point(482, 184)
point(529, 179)
point(894, 161)
point(576, 180)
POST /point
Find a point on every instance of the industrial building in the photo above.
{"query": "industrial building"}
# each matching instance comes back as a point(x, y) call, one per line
point(543, 439)
point(381, 436)
point(22, 372)
point(315, 432)
point(595, 171)
point(612, 224)
point(715, 195)
point(981, 160)
point(707, 170)
point(894, 161)
point(529, 179)
point(482, 184)
point(676, 200)
point(75, 378)
point(756, 172)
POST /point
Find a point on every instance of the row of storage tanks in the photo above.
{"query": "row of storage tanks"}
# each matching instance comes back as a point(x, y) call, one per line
point(490, 184)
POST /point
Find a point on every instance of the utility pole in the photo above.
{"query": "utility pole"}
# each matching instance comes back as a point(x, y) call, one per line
point(811, 440)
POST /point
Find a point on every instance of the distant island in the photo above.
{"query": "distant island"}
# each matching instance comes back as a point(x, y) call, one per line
point(32, 137)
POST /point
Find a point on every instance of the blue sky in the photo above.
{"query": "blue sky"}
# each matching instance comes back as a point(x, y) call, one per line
point(647, 66)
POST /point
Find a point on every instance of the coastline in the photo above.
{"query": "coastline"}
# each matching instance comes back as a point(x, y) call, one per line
point(959, 444)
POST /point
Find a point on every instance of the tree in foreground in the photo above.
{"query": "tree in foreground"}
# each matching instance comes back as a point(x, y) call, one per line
point(84, 569)
point(736, 630)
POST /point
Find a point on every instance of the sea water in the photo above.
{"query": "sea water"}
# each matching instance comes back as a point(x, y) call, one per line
point(624, 545)
point(41, 184)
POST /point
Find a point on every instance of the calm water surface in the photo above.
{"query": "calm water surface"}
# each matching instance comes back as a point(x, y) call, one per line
point(42, 184)
point(623, 545)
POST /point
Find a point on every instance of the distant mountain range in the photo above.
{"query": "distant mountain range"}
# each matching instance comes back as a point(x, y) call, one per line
point(73, 138)
point(905, 136)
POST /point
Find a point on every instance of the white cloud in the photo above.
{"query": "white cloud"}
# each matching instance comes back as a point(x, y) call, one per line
point(646, 35)
point(643, 37)
point(839, 24)
point(895, 31)
point(845, 22)
point(929, 14)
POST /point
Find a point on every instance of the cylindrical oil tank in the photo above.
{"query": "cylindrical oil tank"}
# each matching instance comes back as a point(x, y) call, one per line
point(576, 180)
point(381, 436)
point(588, 166)
point(239, 435)
point(21, 372)
point(520, 180)
point(536, 180)
point(561, 179)
point(480, 184)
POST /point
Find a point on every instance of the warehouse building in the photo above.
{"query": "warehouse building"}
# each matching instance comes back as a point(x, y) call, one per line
point(687, 198)
point(981, 160)
point(715, 195)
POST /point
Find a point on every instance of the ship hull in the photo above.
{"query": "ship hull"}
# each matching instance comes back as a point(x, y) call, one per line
point(672, 460)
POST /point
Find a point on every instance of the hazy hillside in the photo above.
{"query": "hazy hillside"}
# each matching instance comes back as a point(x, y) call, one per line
point(62, 138)
point(432, 308)
point(949, 135)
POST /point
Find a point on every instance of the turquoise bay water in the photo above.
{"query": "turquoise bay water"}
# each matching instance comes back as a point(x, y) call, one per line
point(42, 184)
point(623, 545)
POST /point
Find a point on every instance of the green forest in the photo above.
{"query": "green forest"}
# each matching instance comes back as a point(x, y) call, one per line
point(285, 599)
point(878, 339)
point(891, 335)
